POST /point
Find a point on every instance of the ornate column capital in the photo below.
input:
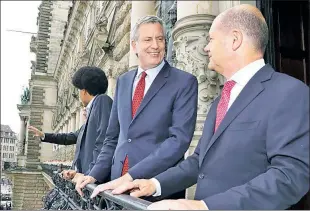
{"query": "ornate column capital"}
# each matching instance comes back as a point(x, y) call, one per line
point(190, 35)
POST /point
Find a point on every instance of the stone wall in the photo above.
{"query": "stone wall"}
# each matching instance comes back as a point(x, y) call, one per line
point(28, 190)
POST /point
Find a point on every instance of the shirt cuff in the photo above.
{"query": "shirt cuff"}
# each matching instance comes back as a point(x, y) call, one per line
point(43, 137)
point(158, 188)
point(205, 204)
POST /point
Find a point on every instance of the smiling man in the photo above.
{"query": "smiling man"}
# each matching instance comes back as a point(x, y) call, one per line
point(153, 116)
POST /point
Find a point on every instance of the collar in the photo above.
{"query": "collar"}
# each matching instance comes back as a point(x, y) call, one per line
point(89, 105)
point(153, 72)
point(243, 76)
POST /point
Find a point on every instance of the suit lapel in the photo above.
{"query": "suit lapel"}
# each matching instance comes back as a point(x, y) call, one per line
point(78, 146)
point(208, 129)
point(157, 84)
point(81, 134)
point(253, 88)
point(127, 93)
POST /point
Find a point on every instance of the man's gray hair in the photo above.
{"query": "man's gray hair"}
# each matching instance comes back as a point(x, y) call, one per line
point(147, 19)
point(251, 24)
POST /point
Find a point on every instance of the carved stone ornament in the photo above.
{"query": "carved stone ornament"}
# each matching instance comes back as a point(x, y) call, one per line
point(102, 32)
point(190, 35)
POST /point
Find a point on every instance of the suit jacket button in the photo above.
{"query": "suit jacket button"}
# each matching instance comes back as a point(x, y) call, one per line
point(129, 140)
point(201, 176)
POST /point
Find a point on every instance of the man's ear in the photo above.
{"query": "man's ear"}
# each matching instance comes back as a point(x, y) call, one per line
point(237, 39)
point(134, 46)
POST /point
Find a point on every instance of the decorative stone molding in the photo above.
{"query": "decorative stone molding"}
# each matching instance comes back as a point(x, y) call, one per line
point(76, 19)
point(190, 35)
point(122, 29)
point(33, 44)
point(122, 66)
point(122, 47)
point(123, 12)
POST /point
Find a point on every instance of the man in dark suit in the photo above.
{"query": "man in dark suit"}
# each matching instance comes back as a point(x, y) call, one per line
point(254, 150)
point(92, 84)
point(153, 115)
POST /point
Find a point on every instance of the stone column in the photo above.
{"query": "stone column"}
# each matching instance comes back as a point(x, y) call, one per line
point(21, 158)
point(194, 19)
point(139, 9)
point(66, 126)
point(77, 119)
point(22, 131)
point(73, 122)
point(82, 120)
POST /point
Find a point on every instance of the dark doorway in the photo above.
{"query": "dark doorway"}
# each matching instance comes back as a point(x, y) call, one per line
point(288, 49)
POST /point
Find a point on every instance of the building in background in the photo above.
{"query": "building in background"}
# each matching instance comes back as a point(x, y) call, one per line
point(72, 34)
point(9, 147)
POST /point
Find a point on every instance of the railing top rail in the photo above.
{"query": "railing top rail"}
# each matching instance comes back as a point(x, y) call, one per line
point(68, 196)
point(122, 199)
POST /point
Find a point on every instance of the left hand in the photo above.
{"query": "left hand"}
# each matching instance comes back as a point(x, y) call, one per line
point(68, 174)
point(111, 185)
point(77, 177)
point(180, 204)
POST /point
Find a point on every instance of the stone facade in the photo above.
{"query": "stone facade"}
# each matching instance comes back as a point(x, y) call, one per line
point(78, 33)
point(37, 107)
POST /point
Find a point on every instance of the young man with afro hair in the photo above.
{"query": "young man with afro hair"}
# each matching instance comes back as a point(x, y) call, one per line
point(92, 84)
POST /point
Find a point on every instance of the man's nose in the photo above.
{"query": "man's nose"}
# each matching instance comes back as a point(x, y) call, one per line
point(206, 49)
point(154, 44)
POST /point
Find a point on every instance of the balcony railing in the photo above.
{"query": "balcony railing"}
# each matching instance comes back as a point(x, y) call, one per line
point(65, 197)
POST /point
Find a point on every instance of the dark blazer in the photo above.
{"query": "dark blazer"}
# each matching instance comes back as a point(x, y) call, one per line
point(159, 134)
point(89, 138)
point(259, 156)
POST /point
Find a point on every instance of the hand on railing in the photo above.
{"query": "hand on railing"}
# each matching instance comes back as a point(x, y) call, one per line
point(68, 174)
point(137, 188)
point(112, 184)
point(104, 200)
point(82, 182)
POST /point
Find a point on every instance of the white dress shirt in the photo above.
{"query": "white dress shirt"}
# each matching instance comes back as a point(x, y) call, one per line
point(89, 105)
point(150, 77)
point(241, 78)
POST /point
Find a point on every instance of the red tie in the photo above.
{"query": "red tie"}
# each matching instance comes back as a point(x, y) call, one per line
point(125, 166)
point(138, 95)
point(223, 104)
point(136, 101)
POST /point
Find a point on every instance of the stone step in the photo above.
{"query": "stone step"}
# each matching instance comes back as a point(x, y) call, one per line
point(36, 102)
point(38, 119)
point(33, 160)
point(37, 91)
point(37, 113)
point(33, 155)
point(34, 147)
point(34, 144)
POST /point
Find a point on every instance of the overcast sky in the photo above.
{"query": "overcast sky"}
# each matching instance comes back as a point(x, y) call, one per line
point(15, 55)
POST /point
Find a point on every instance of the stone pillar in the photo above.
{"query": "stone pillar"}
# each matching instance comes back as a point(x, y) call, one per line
point(21, 158)
point(194, 19)
point(70, 149)
point(82, 120)
point(77, 119)
point(22, 131)
point(66, 126)
point(73, 122)
point(139, 9)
